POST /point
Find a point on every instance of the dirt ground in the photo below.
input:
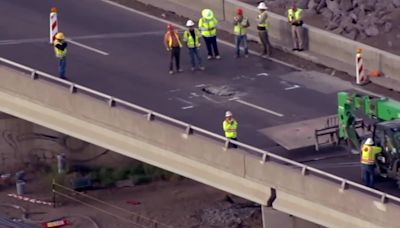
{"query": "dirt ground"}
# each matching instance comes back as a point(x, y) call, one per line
point(180, 203)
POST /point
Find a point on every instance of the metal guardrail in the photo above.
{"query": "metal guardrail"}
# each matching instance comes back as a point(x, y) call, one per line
point(189, 129)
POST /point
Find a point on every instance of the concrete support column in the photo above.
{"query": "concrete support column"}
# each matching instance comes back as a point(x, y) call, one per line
point(272, 218)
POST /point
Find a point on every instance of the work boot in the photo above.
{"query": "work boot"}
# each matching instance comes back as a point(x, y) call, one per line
point(209, 57)
point(171, 72)
point(218, 57)
point(180, 70)
point(202, 68)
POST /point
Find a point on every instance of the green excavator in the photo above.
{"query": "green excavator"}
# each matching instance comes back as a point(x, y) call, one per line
point(384, 117)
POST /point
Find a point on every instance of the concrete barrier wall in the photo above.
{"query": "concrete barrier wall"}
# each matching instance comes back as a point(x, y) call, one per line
point(323, 47)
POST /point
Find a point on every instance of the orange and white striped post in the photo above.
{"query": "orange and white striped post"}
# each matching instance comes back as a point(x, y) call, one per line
point(53, 24)
point(361, 77)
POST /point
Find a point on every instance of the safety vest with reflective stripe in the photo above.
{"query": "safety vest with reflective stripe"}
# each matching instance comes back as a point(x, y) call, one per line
point(240, 27)
point(188, 38)
point(207, 26)
point(59, 53)
point(230, 128)
point(369, 153)
point(169, 38)
point(295, 16)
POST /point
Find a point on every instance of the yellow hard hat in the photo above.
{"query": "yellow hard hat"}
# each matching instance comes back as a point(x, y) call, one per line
point(207, 13)
point(60, 36)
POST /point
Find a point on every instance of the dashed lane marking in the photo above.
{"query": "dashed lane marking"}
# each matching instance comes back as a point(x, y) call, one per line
point(258, 107)
point(87, 47)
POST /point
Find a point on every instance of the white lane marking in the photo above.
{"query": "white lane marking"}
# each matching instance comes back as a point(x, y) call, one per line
point(87, 47)
point(86, 37)
point(194, 94)
point(184, 101)
point(263, 74)
point(182, 27)
point(212, 100)
point(200, 85)
point(22, 41)
point(173, 90)
point(259, 107)
point(292, 87)
point(187, 107)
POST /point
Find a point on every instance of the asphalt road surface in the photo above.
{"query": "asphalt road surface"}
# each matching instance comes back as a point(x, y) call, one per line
point(121, 53)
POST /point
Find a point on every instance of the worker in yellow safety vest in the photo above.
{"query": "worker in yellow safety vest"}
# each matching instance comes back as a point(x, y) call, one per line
point(60, 50)
point(241, 23)
point(230, 126)
point(262, 27)
point(173, 44)
point(368, 158)
point(208, 27)
point(295, 18)
point(192, 38)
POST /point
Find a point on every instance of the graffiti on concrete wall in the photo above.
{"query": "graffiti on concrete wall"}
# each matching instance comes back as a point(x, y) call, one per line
point(37, 147)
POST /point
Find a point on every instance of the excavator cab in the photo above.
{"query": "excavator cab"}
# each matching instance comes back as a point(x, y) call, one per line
point(387, 135)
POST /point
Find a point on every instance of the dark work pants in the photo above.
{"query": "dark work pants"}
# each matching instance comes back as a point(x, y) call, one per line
point(231, 145)
point(211, 43)
point(175, 54)
point(264, 39)
point(368, 175)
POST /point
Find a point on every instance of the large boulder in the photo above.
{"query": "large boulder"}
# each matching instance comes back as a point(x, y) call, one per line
point(303, 4)
point(371, 30)
point(312, 5)
point(321, 5)
point(333, 6)
point(396, 3)
point(327, 13)
point(370, 5)
point(346, 5)
point(388, 27)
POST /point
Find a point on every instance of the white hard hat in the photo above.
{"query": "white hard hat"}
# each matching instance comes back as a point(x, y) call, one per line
point(262, 6)
point(189, 23)
point(228, 113)
point(369, 141)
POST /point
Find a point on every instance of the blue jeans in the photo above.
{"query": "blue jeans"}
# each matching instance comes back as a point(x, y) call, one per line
point(62, 65)
point(238, 42)
point(195, 57)
point(368, 175)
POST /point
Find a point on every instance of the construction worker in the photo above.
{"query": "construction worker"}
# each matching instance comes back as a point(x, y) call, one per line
point(240, 23)
point(173, 44)
point(295, 18)
point(207, 26)
point(262, 28)
point(230, 126)
point(192, 38)
point(60, 49)
point(368, 158)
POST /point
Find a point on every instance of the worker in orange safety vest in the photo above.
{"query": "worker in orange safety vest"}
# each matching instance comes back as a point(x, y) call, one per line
point(368, 159)
point(173, 44)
